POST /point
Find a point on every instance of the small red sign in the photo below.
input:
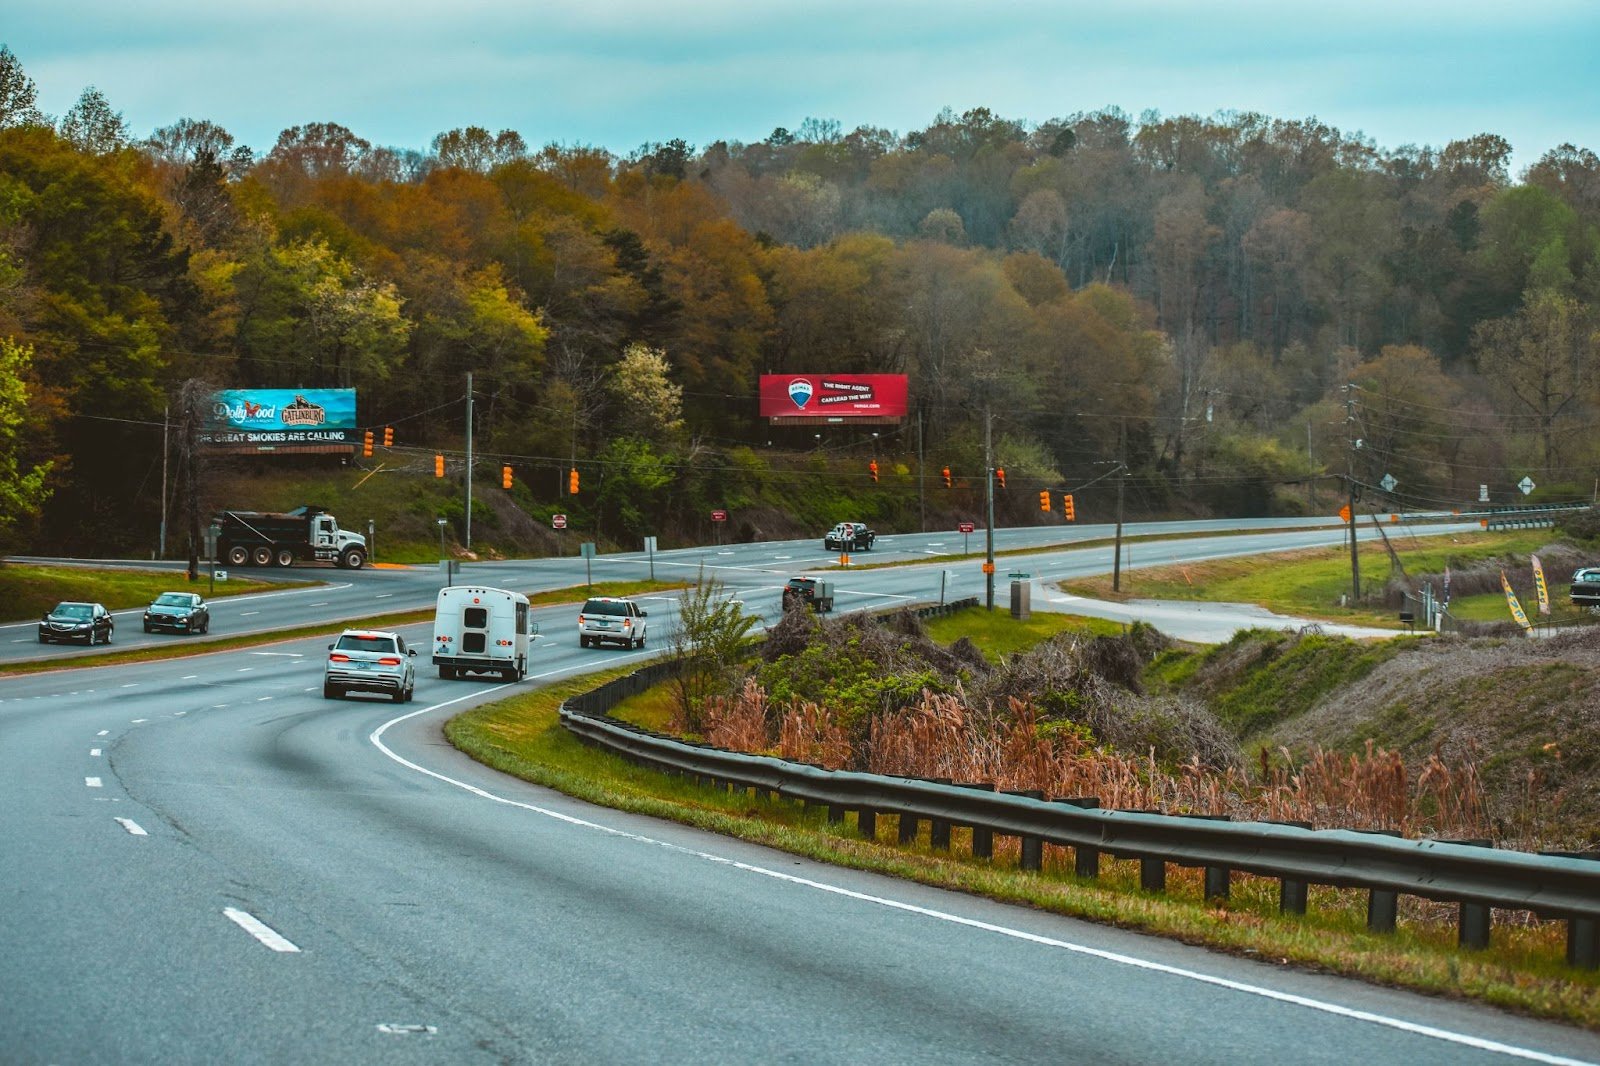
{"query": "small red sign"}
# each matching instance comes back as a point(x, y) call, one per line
point(558, 521)
point(719, 516)
point(965, 527)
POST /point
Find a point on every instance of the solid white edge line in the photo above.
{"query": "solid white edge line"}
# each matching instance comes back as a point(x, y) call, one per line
point(1398, 1024)
point(268, 936)
point(133, 827)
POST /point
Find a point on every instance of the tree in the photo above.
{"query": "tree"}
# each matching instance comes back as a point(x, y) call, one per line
point(475, 148)
point(708, 643)
point(21, 493)
point(17, 93)
point(91, 126)
point(648, 404)
point(1545, 362)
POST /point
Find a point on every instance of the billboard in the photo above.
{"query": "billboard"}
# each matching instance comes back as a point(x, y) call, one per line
point(281, 420)
point(809, 398)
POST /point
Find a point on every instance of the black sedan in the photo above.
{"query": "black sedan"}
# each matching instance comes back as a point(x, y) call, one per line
point(182, 612)
point(88, 622)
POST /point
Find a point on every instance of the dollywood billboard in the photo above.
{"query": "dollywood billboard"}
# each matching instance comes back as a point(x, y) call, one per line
point(821, 398)
point(281, 420)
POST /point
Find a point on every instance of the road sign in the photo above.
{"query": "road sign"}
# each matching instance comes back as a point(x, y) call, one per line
point(586, 549)
point(988, 568)
point(1344, 513)
point(966, 527)
point(1483, 493)
point(1020, 575)
point(1526, 485)
point(1388, 483)
point(719, 516)
point(558, 521)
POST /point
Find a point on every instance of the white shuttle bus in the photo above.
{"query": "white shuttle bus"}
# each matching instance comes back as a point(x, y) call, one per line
point(482, 630)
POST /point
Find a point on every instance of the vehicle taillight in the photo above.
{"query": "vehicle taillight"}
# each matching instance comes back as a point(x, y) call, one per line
point(627, 623)
point(338, 658)
point(389, 660)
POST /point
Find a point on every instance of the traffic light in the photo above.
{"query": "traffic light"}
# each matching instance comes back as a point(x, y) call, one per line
point(572, 481)
point(1044, 499)
point(1000, 476)
point(388, 436)
point(947, 481)
point(438, 466)
point(1066, 505)
point(366, 444)
point(873, 467)
point(505, 477)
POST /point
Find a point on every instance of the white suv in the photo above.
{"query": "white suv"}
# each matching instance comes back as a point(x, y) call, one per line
point(363, 660)
point(605, 618)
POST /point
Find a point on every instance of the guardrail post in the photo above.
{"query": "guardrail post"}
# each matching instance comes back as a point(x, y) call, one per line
point(1583, 934)
point(907, 827)
point(1085, 859)
point(1152, 874)
point(1475, 917)
point(867, 823)
point(1292, 895)
point(939, 828)
point(1383, 906)
point(835, 813)
point(1032, 847)
point(1218, 879)
point(982, 835)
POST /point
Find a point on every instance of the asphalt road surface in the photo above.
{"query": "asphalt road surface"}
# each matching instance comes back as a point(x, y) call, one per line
point(207, 862)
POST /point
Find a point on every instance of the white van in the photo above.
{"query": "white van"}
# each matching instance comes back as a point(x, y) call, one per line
point(482, 630)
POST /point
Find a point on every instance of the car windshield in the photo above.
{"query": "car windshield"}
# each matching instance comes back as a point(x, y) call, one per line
point(365, 642)
point(605, 607)
point(72, 610)
point(175, 599)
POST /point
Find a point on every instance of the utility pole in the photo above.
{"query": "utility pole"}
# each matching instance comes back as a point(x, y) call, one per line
point(1122, 478)
point(1350, 490)
point(469, 462)
point(166, 427)
point(988, 492)
point(922, 484)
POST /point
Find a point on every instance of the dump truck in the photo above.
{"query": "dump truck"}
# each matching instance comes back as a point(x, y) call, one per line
point(269, 538)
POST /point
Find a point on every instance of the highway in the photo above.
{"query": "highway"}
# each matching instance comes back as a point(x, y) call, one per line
point(207, 862)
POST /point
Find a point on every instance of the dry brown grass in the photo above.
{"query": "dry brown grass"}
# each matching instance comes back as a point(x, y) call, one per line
point(945, 738)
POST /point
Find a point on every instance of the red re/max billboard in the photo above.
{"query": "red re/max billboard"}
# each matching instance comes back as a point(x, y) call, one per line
point(833, 396)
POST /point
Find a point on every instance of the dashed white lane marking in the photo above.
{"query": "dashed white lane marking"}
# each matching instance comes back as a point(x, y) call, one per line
point(319, 603)
point(1322, 1006)
point(262, 699)
point(91, 782)
point(189, 677)
point(133, 827)
point(131, 684)
point(218, 706)
point(103, 733)
point(140, 721)
point(268, 936)
point(407, 1028)
point(383, 595)
point(179, 714)
point(247, 614)
point(94, 752)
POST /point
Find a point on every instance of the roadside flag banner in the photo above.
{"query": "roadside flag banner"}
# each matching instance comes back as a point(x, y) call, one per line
point(1541, 587)
point(1517, 613)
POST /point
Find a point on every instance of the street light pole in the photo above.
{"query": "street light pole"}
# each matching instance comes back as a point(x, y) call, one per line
point(442, 557)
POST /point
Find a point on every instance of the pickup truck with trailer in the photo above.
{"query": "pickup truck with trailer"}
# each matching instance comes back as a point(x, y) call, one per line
point(849, 536)
point(270, 538)
point(814, 593)
point(482, 630)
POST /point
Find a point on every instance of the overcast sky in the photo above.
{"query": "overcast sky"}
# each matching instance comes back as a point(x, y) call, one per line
point(619, 73)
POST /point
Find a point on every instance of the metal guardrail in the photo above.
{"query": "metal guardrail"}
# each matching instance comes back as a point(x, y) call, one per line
point(1563, 887)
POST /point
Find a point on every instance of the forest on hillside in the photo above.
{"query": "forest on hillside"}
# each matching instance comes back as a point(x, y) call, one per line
point(1234, 306)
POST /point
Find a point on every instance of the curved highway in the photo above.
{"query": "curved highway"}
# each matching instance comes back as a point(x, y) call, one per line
point(206, 861)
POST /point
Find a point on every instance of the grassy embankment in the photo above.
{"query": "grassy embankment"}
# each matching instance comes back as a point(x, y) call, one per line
point(1523, 969)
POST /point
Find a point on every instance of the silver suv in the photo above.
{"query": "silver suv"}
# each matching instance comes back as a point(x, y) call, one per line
point(364, 660)
point(604, 618)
